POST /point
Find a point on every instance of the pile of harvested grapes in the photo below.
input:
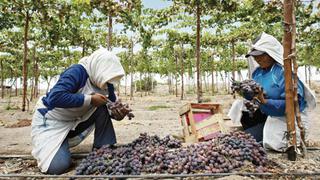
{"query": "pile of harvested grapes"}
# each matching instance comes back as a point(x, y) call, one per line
point(150, 154)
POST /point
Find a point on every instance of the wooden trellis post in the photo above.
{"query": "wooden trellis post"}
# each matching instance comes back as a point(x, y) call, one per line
point(288, 41)
point(295, 83)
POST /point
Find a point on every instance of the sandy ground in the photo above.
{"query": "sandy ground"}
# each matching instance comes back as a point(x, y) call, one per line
point(162, 121)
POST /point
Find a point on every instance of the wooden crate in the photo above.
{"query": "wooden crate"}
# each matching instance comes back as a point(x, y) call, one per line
point(201, 122)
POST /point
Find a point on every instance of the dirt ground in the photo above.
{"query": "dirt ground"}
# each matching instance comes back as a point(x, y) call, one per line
point(156, 114)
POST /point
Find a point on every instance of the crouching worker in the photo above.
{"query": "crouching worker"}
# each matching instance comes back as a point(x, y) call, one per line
point(73, 108)
point(268, 123)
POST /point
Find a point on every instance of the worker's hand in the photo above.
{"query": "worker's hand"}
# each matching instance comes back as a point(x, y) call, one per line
point(98, 99)
point(261, 97)
point(119, 110)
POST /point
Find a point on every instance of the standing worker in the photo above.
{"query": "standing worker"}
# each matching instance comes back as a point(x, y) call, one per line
point(74, 107)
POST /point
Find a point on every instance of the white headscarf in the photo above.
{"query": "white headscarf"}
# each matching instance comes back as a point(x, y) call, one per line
point(103, 66)
point(273, 48)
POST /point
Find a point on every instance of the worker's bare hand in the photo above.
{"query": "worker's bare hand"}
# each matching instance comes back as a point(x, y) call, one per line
point(98, 99)
point(261, 96)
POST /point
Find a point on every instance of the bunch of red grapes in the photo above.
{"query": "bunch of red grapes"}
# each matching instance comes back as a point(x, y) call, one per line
point(248, 89)
point(121, 108)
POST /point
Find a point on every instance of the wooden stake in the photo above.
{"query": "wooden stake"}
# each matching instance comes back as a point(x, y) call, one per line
point(287, 45)
point(295, 83)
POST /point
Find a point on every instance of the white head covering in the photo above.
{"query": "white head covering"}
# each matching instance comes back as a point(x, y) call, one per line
point(273, 48)
point(103, 66)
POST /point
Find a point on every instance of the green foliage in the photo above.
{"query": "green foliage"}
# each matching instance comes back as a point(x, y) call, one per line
point(61, 32)
point(145, 84)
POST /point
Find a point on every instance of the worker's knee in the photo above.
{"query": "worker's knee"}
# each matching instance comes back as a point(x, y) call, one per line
point(59, 167)
point(61, 160)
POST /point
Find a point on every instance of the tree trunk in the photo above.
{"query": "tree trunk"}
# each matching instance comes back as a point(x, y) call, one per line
point(33, 88)
point(150, 79)
point(199, 87)
point(25, 61)
point(12, 79)
point(169, 85)
point(189, 83)
point(207, 81)
point(182, 72)
point(36, 80)
point(212, 82)
point(83, 48)
point(225, 81)
point(305, 73)
point(2, 79)
point(233, 61)
point(125, 85)
point(228, 82)
point(176, 75)
point(287, 44)
point(141, 84)
point(222, 80)
point(131, 70)
point(109, 44)
point(131, 86)
point(152, 83)
point(217, 82)
point(233, 68)
point(146, 84)
point(309, 69)
point(16, 90)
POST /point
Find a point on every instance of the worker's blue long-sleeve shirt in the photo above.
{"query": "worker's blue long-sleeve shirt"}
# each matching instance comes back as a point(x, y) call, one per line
point(65, 93)
point(273, 82)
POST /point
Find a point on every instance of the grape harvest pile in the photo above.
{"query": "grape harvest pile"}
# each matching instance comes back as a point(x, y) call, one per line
point(151, 154)
point(248, 89)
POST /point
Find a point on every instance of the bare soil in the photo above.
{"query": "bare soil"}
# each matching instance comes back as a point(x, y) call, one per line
point(156, 114)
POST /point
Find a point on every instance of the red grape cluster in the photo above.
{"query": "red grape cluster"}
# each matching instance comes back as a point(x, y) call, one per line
point(120, 107)
point(248, 89)
point(150, 154)
point(251, 106)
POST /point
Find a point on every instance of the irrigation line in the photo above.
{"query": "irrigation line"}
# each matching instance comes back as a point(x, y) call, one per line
point(83, 155)
point(153, 176)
